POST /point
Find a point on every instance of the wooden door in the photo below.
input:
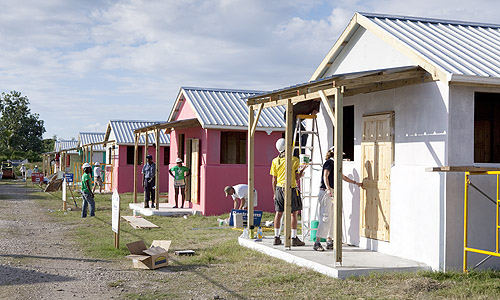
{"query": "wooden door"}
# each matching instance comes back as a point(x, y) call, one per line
point(195, 164)
point(188, 164)
point(377, 152)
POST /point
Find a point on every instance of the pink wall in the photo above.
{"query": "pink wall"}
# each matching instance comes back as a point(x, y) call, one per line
point(123, 176)
point(185, 112)
point(214, 176)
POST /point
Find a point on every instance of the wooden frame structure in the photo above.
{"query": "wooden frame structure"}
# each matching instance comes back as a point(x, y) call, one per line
point(336, 86)
point(155, 130)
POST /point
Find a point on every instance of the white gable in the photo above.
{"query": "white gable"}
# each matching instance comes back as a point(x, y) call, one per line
point(355, 57)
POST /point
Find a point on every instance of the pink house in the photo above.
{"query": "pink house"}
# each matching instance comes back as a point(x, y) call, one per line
point(119, 145)
point(210, 135)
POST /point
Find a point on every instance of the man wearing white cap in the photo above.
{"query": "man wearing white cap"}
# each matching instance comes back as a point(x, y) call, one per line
point(239, 193)
point(278, 173)
point(179, 172)
point(325, 199)
point(97, 177)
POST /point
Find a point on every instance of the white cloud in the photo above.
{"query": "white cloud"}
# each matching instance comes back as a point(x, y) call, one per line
point(82, 63)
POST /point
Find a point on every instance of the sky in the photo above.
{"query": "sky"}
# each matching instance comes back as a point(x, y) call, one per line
point(83, 63)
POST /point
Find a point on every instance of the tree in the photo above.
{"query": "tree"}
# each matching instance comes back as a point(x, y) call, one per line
point(20, 130)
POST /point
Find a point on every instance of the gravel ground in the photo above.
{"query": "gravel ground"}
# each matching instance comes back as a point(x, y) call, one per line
point(37, 260)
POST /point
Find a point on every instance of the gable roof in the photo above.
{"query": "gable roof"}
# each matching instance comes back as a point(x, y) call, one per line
point(123, 131)
point(449, 50)
point(225, 108)
point(86, 138)
point(64, 145)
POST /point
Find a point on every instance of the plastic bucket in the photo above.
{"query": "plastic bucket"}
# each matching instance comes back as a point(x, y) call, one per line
point(304, 159)
point(314, 229)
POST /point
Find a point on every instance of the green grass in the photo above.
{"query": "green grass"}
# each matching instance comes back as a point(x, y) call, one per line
point(222, 268)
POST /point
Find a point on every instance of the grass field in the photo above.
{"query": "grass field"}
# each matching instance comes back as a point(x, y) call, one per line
point(222, 268)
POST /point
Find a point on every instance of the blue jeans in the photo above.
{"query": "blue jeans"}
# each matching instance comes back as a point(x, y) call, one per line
point(88, 200)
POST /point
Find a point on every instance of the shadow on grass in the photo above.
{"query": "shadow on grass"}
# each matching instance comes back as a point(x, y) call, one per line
point(53, 258)
point(24, 276)
point(121, 230)
point(193, 268)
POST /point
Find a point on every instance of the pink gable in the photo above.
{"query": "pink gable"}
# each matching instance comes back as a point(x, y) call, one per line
point(185, 111)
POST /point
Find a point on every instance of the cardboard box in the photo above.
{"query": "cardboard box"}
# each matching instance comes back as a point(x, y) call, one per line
point(153, 258)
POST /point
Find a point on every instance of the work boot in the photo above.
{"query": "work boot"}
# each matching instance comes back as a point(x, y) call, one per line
point(297, 242)
point(277, 241)
point(317, 247)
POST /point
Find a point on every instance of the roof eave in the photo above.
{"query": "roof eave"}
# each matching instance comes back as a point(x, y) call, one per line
point(459, 79)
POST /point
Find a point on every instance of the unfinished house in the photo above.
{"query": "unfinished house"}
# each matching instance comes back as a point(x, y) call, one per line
point(119, 145)
point(208, 131)
point(419, 95)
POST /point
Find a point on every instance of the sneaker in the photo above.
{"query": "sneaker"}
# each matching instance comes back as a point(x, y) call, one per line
point(175, 206)
point(277, 240)
point(329, 245)
point(152, 206)
point(297, 242)
point(318, 247)
point(146, 206)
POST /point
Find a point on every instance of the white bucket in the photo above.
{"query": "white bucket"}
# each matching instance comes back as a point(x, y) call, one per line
point(305, 159)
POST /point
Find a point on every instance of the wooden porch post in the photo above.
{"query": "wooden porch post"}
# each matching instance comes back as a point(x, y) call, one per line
point(288, 173)
point(136, 148)
point(251, 140)
point(337, 178)
point(91, 158)
point(252, 126)
point(157, 175)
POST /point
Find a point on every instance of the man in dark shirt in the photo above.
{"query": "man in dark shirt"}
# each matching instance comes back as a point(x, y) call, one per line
point(310, 107)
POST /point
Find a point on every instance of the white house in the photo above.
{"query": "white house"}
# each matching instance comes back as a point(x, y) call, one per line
point(391, 135)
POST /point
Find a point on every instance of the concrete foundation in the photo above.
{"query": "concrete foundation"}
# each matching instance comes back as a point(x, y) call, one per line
point(355, 261)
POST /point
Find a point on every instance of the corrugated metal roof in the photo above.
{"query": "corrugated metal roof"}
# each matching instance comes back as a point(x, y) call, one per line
point(123, 131)
point(462, 48)
point(85, 138)
point(65, 144)
point(227, 107)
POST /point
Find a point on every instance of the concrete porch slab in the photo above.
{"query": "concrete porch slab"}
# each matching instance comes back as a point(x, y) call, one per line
point(355, 261)
point(166, 209)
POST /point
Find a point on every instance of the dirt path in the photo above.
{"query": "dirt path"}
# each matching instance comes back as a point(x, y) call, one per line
point(38, 262)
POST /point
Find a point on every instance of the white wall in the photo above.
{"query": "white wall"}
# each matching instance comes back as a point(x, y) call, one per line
point(417, 197)
point(482, 216)
point(367, 52)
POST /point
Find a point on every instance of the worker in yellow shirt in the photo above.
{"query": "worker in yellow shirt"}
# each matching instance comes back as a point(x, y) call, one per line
point(278, 173)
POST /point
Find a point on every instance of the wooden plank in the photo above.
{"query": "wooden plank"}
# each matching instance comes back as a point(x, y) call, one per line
point(328, 106)
point(297, 99)
point(139, 223)
point(157, 171)
point(195, 162)
point(188, 163)
point(471, 169)
point(252, 124)
point(381, 86)
point(136, 156)
point(337, 176)
point(288, 172)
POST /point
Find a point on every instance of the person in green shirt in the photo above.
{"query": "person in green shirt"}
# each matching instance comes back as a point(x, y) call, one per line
point(179, 172)
point(87, 194)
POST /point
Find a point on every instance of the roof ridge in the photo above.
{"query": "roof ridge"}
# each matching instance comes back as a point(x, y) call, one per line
point(430, 20)
point(220, 89)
